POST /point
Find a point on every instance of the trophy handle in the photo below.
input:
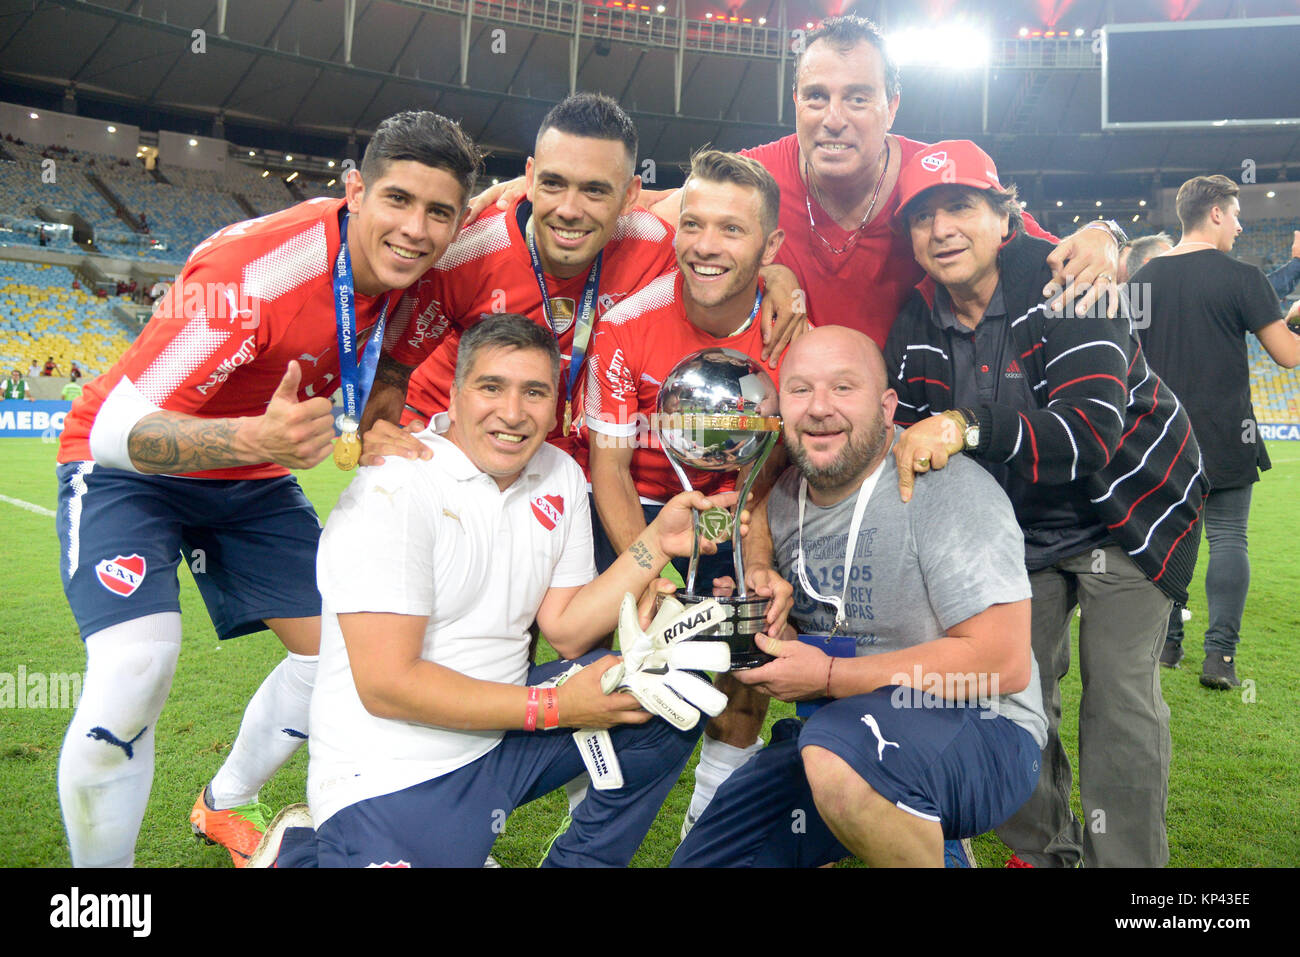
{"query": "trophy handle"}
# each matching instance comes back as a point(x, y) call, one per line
point(695, 524)
point(744, 497)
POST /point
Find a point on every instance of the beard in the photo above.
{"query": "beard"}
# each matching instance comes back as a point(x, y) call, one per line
point(852, 461)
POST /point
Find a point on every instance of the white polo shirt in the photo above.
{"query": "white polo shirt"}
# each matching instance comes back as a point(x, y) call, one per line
point(436, 538)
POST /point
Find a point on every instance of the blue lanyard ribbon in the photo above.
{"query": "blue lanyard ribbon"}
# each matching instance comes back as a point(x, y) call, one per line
point(582, 322)
point(357, 378)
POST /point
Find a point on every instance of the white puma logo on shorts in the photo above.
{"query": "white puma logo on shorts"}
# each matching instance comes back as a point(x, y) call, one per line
point(870, 721)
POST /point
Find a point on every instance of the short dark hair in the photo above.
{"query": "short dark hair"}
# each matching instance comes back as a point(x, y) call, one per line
point(716, 166)
point(1141, 250)
point(594, 115)
point(509, 330)
point(1005, 200)
point(843, 34)
point(1199, 195)
point(426, 138)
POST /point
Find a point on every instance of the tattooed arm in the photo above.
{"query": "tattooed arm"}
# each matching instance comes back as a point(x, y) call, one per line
point(575, 619)
point(294, 434)
point(388, 394)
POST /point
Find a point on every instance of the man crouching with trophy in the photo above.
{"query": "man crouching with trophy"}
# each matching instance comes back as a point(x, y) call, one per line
point(428, 725)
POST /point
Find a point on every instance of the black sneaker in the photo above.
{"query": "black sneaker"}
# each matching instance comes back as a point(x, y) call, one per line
point(1171, 654)
point(1220, 671)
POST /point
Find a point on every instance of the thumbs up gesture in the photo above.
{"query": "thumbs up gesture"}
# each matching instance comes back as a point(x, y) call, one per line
point(291, 433)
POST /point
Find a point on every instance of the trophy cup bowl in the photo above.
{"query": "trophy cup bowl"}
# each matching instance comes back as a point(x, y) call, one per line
point(718, 412)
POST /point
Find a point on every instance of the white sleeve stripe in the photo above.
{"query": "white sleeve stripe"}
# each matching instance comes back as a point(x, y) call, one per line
point(1152, 530)
point(194, 345)
point(611, 428)
point(1089, 345)
point(1020, 434)
point(1137, 468)
point(1074, 464)
point(1107, 405)
point(1132, 393)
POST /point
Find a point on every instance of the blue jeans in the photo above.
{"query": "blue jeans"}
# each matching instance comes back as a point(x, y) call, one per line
point(1227, 580)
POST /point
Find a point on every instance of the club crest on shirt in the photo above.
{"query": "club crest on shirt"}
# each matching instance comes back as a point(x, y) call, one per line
point(121, 575)
point(548, 509)
point(562, 311)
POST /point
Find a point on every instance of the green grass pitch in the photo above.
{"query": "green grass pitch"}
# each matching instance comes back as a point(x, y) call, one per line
point(1234, 794)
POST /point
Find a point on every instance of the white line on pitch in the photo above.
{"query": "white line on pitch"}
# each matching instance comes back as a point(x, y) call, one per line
point(38, 509)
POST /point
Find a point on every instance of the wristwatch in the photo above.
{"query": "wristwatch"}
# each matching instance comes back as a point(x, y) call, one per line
point(968, 424)
point(1112, 227)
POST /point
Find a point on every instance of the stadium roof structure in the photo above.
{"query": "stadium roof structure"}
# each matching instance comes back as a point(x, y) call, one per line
point(690, 71)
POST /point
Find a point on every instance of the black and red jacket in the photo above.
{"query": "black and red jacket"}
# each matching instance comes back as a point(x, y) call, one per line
point(1100, 416)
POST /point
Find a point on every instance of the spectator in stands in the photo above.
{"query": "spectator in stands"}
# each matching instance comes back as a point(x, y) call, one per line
point(75, 372)
point(1203, 302)
point(40, 236)
point(1285, 277)
point(1138, 252)
point(1103, 471)
point(15, 387)
point(51, 367)
point(34, 369)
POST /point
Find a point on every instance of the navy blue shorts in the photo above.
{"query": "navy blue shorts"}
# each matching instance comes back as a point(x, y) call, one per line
point(717, 565)
point(250, 544)
point(454, 819)
point(967, 769)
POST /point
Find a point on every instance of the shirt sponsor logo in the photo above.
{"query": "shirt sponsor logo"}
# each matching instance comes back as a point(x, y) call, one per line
point(121, 575)
point(430, 324)
point(548, 509)
point(245, 354)
point(618, 377)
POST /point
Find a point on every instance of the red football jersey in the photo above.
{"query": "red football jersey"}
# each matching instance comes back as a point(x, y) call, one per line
point(250, 298)
point(864, 288)
point(635, 347)
point(488, 270)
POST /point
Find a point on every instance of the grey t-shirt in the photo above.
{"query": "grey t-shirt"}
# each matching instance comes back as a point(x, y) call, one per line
point(918, 569)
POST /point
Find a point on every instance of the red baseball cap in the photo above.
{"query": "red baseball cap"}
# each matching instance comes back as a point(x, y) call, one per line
point(947, 162)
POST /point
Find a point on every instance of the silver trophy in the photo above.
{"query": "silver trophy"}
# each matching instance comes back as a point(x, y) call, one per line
point(718, 412)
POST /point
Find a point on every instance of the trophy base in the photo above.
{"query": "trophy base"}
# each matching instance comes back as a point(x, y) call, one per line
point(738, 631)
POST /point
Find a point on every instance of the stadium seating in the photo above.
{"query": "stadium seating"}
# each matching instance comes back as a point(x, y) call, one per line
point(42, 315)
point(1274, 391)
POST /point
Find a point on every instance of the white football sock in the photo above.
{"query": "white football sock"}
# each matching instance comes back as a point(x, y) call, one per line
point(717, 762)
point(274, 727)
point(106, 763)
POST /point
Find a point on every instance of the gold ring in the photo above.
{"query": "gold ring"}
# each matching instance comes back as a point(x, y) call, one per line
point(923, 461)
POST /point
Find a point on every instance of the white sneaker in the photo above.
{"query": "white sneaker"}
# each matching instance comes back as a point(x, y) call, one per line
point(268, 848)
point(491, 862)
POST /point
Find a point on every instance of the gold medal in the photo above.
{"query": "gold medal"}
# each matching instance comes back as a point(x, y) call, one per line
point(568, 416)
point(347, 450)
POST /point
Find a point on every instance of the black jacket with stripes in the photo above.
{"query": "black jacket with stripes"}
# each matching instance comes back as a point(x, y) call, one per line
point(1101, 414)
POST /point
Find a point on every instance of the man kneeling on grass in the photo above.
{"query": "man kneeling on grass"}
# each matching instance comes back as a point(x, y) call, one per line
point(428, 725)
point(919, 634)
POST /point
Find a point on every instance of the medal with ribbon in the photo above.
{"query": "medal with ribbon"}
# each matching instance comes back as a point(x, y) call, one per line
point(357, 377)
point(582, 322)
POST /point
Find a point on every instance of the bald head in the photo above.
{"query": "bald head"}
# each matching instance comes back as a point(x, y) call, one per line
point(837, 409)
point(836, 346)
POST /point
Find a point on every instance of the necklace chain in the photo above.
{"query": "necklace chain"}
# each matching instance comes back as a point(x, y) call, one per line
point(866, 217)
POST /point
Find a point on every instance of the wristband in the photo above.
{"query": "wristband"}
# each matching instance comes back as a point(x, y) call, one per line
point(530, 716)
point(550, 709)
